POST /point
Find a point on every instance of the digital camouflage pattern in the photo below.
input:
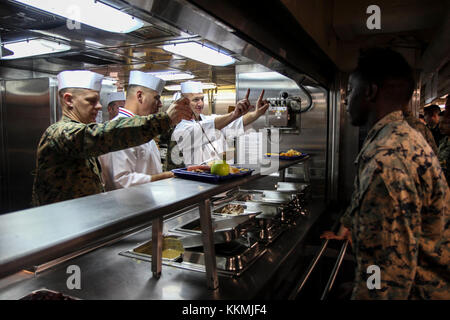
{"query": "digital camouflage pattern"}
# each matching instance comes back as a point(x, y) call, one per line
point(444, 156)
point(399, 215)
point(67, 165)
point(423, 129)
point(174, 156)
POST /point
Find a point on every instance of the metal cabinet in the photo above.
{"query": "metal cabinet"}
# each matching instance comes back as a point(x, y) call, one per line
point(27, 108)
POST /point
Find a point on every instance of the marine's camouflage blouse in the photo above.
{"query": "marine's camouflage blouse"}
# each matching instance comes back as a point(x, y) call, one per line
point(399, 215)
point(423, 129)
point(67, 165)
point(174, 156)
point(444, 156)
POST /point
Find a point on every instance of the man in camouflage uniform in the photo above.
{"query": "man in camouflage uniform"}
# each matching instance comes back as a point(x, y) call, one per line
point(399, 212)
point(431, 115)
point(419, 126)
point(444, 146)
point(67, 165)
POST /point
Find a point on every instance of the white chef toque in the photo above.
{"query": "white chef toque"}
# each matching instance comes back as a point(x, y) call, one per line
point(191, 87)
point(115, 96)
point(80, 79)
point(147, 80)
point(176, 96)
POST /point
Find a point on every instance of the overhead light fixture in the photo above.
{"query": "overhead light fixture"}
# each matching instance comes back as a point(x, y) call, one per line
point(90, 12)
point(269, 75)
point(174, 87)
point(196, 51)
point(177, 87)
point(172, 75)
point(33, 47)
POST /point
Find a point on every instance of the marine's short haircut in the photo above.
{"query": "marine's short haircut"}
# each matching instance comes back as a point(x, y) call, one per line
point(71, 90)
point(132, 88)
point(431, 109)
point(376, 65)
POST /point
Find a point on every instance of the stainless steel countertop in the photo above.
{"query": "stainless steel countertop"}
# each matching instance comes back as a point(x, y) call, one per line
point(34, 236)
point(107, 275)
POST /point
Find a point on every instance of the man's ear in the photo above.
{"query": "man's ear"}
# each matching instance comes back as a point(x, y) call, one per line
point(139, 95)
point(371, 92)
point(68, 99)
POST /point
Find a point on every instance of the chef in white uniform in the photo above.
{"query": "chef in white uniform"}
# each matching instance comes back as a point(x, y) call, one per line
point(114, 100)
point(141, 164)
point(202, 139)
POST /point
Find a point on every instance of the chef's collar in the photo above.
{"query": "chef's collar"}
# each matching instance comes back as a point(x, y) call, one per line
point(125, 112)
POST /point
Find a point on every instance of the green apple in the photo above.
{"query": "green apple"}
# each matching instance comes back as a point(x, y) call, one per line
point(220, 168)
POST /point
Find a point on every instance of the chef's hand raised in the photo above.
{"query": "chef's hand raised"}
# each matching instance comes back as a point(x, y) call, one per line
point(242, 106)
point(179, 110)
point(261, 105)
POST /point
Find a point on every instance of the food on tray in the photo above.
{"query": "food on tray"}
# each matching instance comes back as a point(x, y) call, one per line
point(220, 168)
point(234, 170)
point(233, 209)
point(216, 167)
point(172, 248)
point(291, 153)
point(199, 168)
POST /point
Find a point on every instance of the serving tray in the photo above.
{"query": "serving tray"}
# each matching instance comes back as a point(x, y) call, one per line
point(208, 177)
point(303, 155)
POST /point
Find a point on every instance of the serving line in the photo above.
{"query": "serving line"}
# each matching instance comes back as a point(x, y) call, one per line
point(106, 274)
point(38, 235)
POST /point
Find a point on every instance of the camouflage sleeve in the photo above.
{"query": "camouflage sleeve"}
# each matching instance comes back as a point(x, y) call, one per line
point(444, 158)
point(90, 140)
point(385, 235)
point(444, 152)
point(174, 157)
point(346, 219)
point(430, 139)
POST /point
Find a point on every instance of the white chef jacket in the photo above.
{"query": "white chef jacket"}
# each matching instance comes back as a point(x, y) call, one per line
point(132, 166)
point(195, 146)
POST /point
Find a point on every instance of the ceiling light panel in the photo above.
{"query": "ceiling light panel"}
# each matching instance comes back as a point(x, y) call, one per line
point(199, 52)
point(90, 12)
point(33, 47)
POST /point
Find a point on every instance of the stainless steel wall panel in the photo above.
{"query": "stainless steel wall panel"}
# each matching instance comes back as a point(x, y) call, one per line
point(26, 114)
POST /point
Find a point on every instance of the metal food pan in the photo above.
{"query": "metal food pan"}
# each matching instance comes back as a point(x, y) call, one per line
point(266, 196)
point(233, 257)
point(225, 230)
point(247, 210)
point(268, 233)
point(218, 223)
point(271, 213)
point(144, 250)
point(292, 187)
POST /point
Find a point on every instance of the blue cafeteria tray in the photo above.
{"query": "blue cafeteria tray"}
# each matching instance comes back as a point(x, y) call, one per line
point(208, 177)
point(289, 158)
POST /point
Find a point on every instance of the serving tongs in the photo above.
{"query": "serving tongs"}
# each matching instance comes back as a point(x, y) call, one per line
point(197, 120)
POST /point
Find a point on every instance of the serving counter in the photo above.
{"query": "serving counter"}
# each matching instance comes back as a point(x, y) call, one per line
point(91, 232)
